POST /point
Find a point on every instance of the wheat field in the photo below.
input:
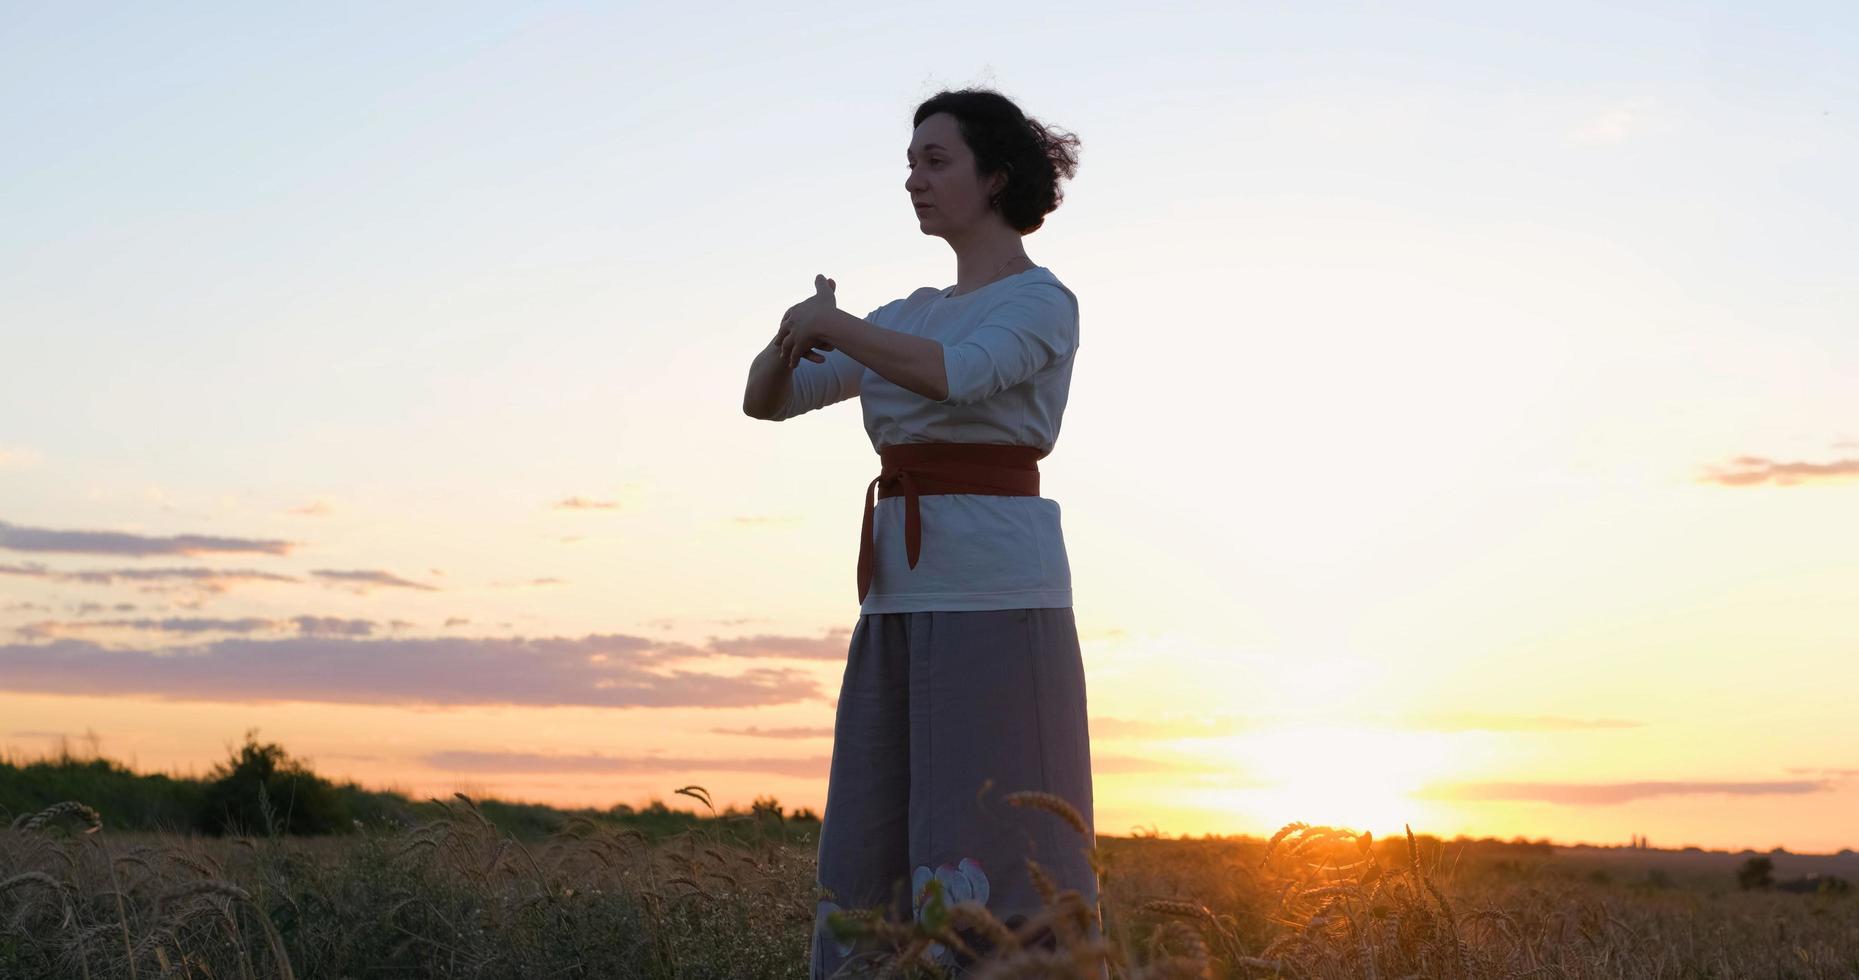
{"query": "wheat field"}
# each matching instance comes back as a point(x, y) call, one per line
point(454, 896)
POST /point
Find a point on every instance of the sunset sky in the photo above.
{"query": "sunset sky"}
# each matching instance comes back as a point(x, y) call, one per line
point(1465, 430)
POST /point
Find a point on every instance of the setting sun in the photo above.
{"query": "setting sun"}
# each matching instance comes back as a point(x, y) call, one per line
point(1343, 776)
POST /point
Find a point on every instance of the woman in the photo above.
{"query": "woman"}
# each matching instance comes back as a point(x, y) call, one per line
point(964, 680)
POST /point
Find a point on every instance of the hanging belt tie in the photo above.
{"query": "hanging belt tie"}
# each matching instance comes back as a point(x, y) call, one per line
point(914, 469)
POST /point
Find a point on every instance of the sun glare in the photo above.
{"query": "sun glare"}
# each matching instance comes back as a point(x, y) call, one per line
point(1343, 776)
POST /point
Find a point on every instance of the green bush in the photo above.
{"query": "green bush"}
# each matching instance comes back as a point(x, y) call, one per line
point(1757, 872)
point(262, 790)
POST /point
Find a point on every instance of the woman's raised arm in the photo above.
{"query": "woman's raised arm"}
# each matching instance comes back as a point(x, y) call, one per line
point(770, 381)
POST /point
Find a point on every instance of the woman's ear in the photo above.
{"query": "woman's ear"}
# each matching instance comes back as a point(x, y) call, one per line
point(1005, 177)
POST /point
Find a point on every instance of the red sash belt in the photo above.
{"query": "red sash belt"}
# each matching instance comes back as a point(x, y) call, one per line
point(913, 469)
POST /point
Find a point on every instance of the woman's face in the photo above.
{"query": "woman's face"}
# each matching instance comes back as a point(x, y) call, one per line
point(942, 175)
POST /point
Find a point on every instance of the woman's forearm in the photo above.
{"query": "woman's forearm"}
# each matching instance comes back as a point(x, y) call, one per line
point(910, 362)
point(770, 381)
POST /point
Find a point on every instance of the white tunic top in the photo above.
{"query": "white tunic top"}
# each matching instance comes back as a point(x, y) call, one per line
point(1008, 349)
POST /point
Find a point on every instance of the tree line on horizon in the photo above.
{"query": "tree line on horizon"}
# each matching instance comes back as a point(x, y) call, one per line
point(261, 790)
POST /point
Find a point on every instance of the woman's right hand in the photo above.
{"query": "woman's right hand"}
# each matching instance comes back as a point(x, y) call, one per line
point(779, 346)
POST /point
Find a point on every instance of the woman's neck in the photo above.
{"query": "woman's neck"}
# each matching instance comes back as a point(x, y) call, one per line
point(974, 270)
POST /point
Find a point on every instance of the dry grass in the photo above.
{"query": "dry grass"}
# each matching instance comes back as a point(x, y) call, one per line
point(455, 897)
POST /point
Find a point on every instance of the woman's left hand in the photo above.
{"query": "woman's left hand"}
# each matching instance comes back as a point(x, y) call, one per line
point(801, 326)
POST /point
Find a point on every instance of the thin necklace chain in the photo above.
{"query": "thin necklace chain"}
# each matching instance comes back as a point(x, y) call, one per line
point(1010, 260)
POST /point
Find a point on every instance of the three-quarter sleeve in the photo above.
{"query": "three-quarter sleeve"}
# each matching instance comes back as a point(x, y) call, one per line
point(1037, 326)
point(817, 384)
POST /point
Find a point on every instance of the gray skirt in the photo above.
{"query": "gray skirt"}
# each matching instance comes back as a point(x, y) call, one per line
point(933, 706)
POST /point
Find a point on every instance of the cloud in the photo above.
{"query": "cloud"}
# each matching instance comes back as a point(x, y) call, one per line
point(817, 766)
point(754, 520)
point(832, 646)
point(305, 625)
point(334, 626)
point(171, 624)
point(214, 580)
point(16, 537)
point(582, 503)
point(596, 670)
point(363, 579)
point(1616, 122)
point(797, 732)
point(1745, 471)
point(314, 509)
point(1608, 794)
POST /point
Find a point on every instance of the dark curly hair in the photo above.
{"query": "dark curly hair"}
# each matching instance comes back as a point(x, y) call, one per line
point(1003, 138)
